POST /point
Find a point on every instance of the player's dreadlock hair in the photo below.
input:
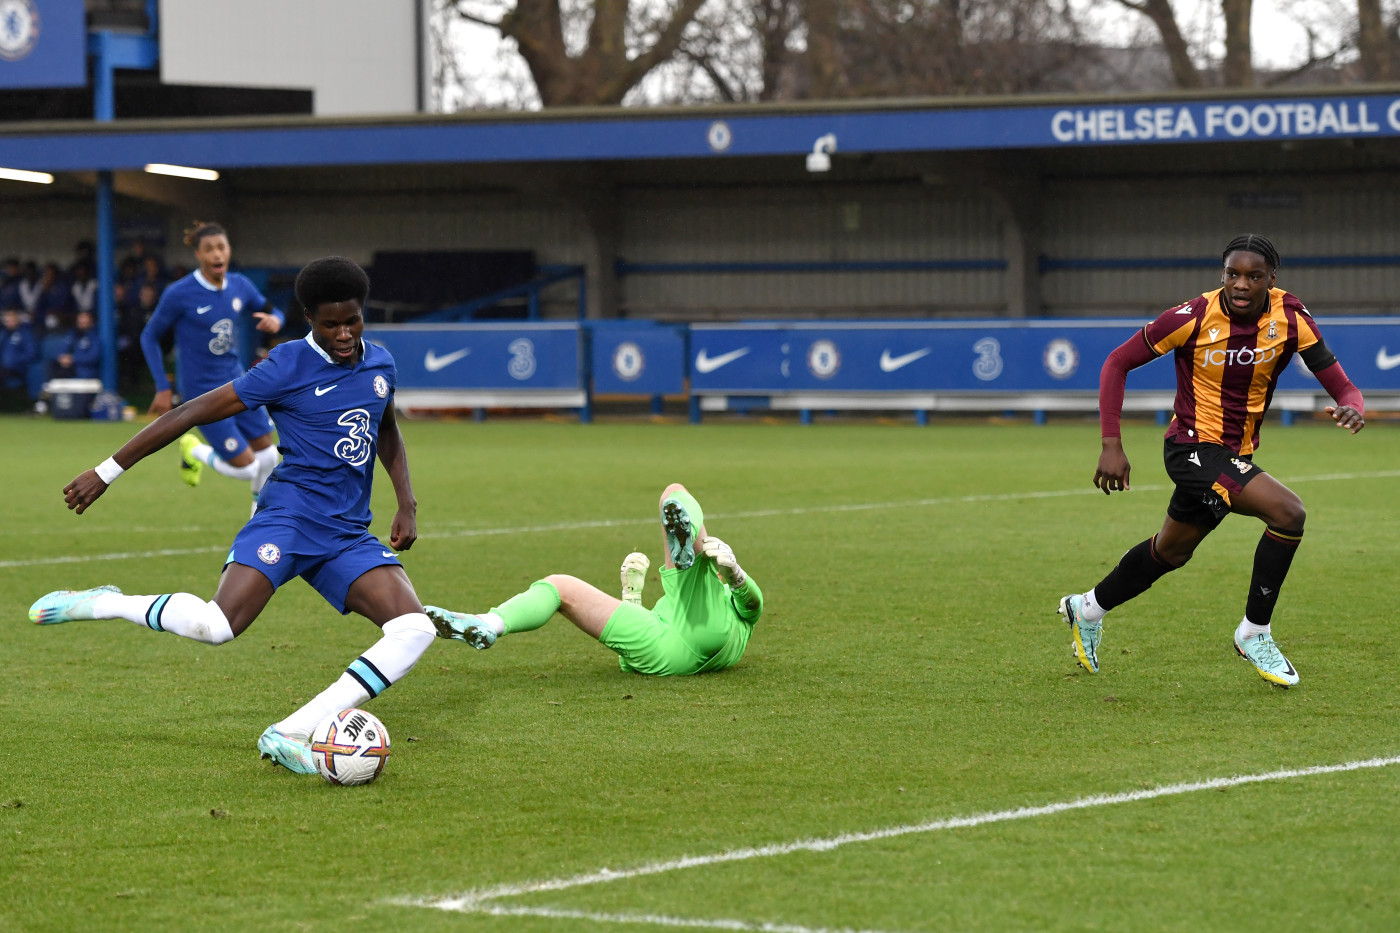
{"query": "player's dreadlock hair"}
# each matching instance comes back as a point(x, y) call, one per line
point(330, 280)
point(200, 230)
point(1255, 243)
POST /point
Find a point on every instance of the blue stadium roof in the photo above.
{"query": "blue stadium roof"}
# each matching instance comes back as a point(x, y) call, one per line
point(704, 133)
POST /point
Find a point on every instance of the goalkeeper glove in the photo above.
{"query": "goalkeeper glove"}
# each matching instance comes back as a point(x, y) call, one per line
point(726, 564)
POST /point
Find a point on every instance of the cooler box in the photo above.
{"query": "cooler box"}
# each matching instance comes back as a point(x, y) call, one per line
point(72, 398)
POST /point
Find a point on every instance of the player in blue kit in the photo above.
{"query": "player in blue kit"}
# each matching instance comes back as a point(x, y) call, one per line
point(331, 396)
point(204, 309)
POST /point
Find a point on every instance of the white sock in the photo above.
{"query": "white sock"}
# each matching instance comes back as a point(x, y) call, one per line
point(266, 461)
point(206, 454)
point(404, 640)
point(178, 613)
point(498, 625)
point(1248, 630)
point(341, 695)
point(1092, 611)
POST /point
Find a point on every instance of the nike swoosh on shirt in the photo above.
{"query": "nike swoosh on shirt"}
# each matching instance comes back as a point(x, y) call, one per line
point(320, 391)
point(704, 363)
point(202, 308)
point(432, 362)
point(388, 553)
point(889, 364)
point(1387, 360)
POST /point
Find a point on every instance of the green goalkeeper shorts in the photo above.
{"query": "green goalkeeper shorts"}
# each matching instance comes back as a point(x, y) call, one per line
point(693, 627)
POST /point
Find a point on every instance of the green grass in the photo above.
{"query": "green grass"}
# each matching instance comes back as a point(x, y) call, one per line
point(909, 668)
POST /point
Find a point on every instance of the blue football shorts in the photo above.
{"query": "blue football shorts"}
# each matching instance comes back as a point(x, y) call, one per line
point(229, 437)
point(327, 553)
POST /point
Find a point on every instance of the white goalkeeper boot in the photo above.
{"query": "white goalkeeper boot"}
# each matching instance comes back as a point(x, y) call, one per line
point(634, 577)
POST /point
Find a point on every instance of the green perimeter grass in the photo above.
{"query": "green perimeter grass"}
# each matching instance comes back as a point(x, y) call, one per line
point(910, 667)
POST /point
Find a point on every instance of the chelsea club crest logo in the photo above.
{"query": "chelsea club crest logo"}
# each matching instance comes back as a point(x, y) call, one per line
point(381, 386)
point(628, 361)
point(1061, 358)
point(19, 29)
point(269, 553)
point(823, 359)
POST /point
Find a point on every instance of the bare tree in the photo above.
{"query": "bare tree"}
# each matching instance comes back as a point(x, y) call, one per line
point(735, 51)
point(581, 52)
point(1375, 41)
point(887, 48)
point(1237, 69)
point(1160, 12)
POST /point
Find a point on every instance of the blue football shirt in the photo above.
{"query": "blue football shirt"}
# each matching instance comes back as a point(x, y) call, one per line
point(206, 324)
point(327, 418)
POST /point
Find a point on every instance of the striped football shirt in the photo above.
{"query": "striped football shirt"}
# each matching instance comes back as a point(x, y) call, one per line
point(1226, 371)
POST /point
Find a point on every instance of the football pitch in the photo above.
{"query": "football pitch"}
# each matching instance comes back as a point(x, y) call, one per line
point(906, 746)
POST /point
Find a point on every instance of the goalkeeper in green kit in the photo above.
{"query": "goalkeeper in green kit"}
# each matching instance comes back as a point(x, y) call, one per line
point(701, 623)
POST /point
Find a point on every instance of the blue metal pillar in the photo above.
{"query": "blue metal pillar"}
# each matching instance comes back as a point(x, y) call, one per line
point(104, 101)
point(110, 51)
point(106, 275)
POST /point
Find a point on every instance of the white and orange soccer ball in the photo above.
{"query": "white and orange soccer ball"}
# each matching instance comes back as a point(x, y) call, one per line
point(350, 747)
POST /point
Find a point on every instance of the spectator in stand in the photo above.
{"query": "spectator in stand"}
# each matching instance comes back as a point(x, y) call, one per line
point(126, 280)
point(84, 254)
point(10, 278)
point(18, 349)
point(131, 320)
point(81, 356)
point(147, 297)
point(54, 310)
point(83, 289)
point(152, 273)
point(29, 288)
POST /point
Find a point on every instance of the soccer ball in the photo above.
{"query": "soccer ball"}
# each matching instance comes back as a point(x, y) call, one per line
point(350, 747)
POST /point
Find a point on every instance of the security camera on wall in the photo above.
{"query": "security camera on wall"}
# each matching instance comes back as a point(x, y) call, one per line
point(819, 159)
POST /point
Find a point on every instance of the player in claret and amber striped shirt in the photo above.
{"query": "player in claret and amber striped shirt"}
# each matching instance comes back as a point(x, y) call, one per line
point(1230, 346)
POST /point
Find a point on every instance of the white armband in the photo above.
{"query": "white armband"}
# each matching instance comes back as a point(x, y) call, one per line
point(108, 470)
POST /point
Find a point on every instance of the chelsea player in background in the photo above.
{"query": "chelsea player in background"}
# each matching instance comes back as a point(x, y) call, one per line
point(204, 308)
point(332, 398)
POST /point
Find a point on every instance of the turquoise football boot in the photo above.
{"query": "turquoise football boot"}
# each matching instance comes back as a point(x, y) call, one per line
point(461, 626)
point(682, 519)
point(1085, 634)
point(67, 605)
point(291, 753)
point(1267, 659)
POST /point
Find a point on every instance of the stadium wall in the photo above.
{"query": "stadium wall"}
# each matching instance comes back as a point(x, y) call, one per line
point(1112, 246)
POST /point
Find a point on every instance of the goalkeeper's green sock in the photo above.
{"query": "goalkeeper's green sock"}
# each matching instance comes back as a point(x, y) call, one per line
point(529, 610)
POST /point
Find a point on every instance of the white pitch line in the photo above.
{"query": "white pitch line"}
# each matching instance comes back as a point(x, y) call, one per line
point(660, 920)
point(120, 555)
point(725, 516)
point(478, 901)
